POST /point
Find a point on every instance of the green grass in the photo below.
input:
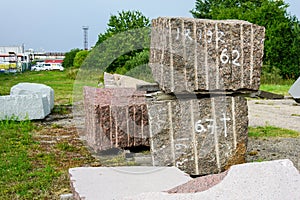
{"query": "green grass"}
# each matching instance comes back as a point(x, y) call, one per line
point(271, 131)
point(277, 89)
point(23, 175)
point(59, 81)
point(31, 168)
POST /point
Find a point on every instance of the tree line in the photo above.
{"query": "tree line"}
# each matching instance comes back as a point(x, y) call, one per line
point(282, 40)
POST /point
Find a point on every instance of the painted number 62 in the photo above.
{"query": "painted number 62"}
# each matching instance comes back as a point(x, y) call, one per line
point(225, 58)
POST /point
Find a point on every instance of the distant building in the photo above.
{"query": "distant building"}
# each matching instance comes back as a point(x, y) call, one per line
point(41, 56)
point(16, 58)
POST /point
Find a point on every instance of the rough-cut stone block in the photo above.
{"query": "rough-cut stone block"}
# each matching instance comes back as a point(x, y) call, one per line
point(22, 107)
point(34, 88)
point(115, 117)
point(200, 136)
point(194, 55)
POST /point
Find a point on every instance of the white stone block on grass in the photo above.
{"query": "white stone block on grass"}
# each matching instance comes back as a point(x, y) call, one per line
point(22, 107)
point(34, 88)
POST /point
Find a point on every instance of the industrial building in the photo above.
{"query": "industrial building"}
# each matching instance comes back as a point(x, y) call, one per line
point(17, 59)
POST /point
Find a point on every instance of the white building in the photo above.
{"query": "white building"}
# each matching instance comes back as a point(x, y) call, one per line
point(14, 58)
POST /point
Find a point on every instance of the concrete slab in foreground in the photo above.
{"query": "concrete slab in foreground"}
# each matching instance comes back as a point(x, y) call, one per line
point(109, 183)
point(276, 180)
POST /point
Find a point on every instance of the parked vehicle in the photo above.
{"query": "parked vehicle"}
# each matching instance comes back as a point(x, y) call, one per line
point(47, 66)
point(38, 67)
point(55, 66)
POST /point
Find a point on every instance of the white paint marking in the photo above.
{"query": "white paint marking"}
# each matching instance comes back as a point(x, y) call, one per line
point(187, 33)
point(151, 138)
point(224, 119)
point(171, 57)
point(242, 47)
point(233, 123)
point(194, 138)
point(217, 59)
point(214, 129)
point(206, 61)
point(171, 132)
point(196, 57)
point(251, 61)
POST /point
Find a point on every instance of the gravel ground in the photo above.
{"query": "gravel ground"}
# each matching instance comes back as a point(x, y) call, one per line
point(280, 113)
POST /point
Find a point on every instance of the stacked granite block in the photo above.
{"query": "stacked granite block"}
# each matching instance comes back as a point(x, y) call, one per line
point(194, 55)
point(204, 64)
point(197, 122)
point(115, 117)
point(200, 136)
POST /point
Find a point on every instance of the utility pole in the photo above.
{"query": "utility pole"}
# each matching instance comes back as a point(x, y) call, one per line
point(85, 37)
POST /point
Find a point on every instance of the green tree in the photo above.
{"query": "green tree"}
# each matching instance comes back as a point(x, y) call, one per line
point(123, 21)
point(80, 57)
point(282, 44)
point(126, 22)
point(69, 58)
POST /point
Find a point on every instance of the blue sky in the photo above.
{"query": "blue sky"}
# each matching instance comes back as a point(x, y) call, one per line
point(56, 25)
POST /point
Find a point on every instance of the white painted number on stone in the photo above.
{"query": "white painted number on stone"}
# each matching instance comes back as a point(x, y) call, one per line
point(209, 36)
point(180, 146)
point(199, 128)
point(225, 58)
point(212, 125)
point(236, 59)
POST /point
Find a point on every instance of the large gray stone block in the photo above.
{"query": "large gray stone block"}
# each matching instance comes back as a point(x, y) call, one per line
point(23, 107)
point(194, 55)
point(34, 88)
point(199, 136)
